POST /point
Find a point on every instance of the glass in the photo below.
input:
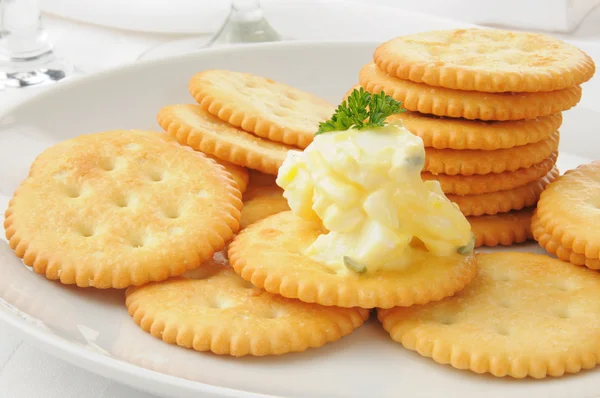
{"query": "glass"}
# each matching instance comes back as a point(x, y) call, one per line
point(26, 55)
point(246, 23)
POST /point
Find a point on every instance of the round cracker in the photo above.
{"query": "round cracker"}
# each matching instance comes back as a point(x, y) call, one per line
point(238, 173)
point(442, 101)
point(523, 315)
point(269, 254)
point(480, 184)
point(503, 228)
point(503, 201)
point(487, 60)
point(569, 210)
point(216, 310)
point(470, 162)
point(121, 208)
point(554, 246)
point(269, 109)
point(262, 199)
point(195, 127)
point(461, 134)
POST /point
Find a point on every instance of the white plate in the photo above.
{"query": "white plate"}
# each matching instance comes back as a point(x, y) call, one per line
point(92, 329)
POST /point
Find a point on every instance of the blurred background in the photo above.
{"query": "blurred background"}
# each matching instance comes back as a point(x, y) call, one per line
point(124, 31)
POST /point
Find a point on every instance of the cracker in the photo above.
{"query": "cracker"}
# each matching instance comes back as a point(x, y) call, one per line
point(269, 254)
point(238, 173)
point(503, 201)
point(554, 247)
point(442, 101)
point(216, 310)
point(485, 60)
point(569, 210)
point(503, 228)
point(269, 109)
point(462, 134)
point(469, 162)
point(544, 319)
point(480, 184)
point(193, 126)
point(121, 208)
point(262, 199)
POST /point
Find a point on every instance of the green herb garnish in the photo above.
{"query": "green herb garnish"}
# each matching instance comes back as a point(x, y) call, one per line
point(362, 110)
point(354, 266)
point(467, 249)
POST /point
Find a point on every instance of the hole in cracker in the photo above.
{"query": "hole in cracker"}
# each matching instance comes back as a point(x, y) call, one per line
point(72, 191)
point(562, 312)
point(137, 241)
point(156, 176)
point(270, 233)
point(286, 104)
point(86, 230)
point(251, 83)
point(172, 212)
point(280, 112)
point(107, 164)
point(501, 330)
point(503, 278)
point(122, 201)
point(292, 95)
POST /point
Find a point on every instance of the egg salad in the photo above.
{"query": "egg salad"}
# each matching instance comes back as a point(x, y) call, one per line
point(362, 180)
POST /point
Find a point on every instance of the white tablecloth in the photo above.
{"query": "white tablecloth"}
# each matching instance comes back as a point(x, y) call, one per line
point(25, 370)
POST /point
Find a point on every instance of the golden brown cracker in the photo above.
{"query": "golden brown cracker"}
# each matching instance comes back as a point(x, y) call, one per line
point(439, 132)
point(480, 184)
point(523, 315)
point(121, 208)
point(503, 201)
point(470, 162)
point(554, 247)
point(193, 126)
point(487, 60)
point(262, 199)
point(269, 109)
point(216, 310)
point(503, 228)
point(269, 254)
point(442, 101)
point(569, 210)
point(238, 173)
point(461, 134)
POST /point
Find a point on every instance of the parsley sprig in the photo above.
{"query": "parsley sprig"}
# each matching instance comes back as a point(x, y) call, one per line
point(362, 110)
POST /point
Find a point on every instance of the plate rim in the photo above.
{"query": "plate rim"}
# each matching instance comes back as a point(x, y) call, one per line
point(91, 361)
point(82, 79)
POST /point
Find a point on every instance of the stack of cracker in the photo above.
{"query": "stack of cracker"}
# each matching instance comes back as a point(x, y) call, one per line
point(244, 119)
point(487, 104)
